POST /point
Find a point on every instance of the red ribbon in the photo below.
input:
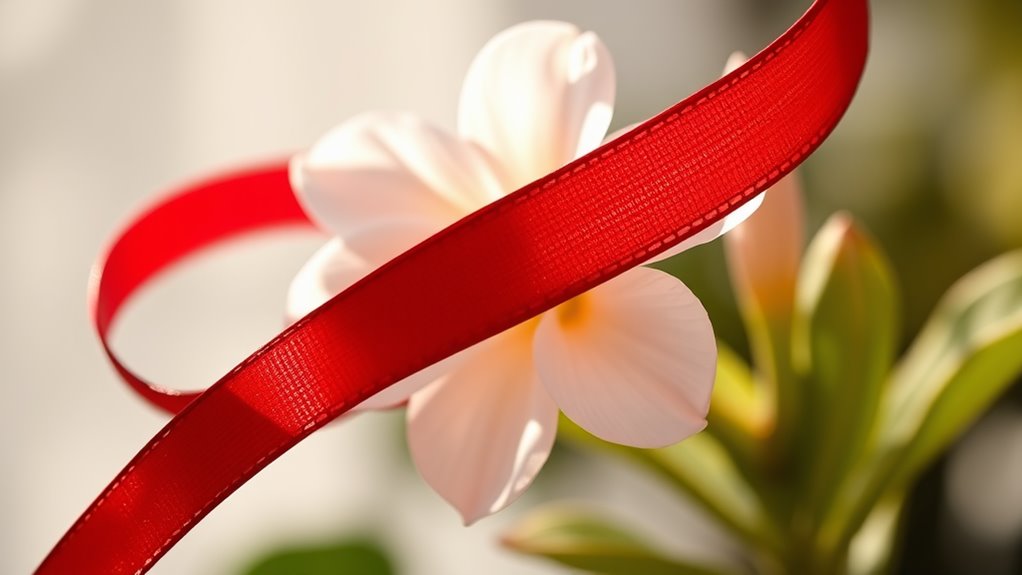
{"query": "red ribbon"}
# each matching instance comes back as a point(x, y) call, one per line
point(542, 245)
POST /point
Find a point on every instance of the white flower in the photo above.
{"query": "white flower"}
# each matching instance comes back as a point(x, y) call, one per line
point(632, 361)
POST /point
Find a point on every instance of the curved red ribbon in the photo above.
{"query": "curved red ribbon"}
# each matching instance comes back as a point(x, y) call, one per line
point(552, 240)
point(195, 218)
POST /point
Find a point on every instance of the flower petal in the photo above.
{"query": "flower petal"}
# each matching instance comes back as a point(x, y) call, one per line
point(765, 253)
point(734, 62)
point(632, 361)
point(537, 96)
point(716, 229)
point(381, 242)
point(480, 435)
point(339, 264)
point(384, 166)
point(402, 391)
point(327, 273)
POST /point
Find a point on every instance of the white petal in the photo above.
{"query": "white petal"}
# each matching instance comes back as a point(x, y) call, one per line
point(341, 263)
point(632, 361)
point(378, 167)
point(734, 62)
point(537, 96)
point(402, 391)
point(381, 242)
point(327, 273)
point(338, 265)
point(716, 229)
point(480, 435)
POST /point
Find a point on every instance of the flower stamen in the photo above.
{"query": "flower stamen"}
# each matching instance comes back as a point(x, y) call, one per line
point(573, 312)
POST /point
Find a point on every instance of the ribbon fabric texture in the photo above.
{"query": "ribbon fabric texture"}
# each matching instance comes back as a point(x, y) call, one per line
point(555, 238)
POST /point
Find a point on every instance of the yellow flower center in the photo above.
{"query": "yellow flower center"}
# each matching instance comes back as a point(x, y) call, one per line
point(573, 312)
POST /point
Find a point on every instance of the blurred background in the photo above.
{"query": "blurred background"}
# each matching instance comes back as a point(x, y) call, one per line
point(104, 104)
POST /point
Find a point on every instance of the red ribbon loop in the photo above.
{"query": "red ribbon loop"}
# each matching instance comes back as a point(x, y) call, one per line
point(548, 242)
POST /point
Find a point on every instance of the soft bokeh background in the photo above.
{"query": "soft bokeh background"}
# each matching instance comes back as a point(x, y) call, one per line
point(103, 104)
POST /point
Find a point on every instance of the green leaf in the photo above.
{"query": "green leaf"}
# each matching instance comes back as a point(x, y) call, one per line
point(763, 257)
point(701, 468)
point(846, 338)
point(355, 556)
point(741, 414)
point(872, 549)
point(969, 352)
point(582, 540)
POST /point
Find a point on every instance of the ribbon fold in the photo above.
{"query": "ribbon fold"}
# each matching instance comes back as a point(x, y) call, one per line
point(553, 239)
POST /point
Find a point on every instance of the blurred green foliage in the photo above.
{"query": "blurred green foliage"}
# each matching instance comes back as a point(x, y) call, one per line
point(360, 556)
point(803, 502)
point(929, 159)
point(579, 539)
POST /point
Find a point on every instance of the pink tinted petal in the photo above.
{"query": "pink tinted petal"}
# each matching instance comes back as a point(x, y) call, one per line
point(331, 270)
point(537, 96)
point(377, 167)
point(764, 254)
point(632, 361)
point(382, 241)
point(399, 393)
point(328, 272)
point(341, 263)
point(480, 435)
point(734, 61)
point(716, 229)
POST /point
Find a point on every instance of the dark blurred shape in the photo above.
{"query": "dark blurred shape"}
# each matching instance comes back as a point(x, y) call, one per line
point(360, 556)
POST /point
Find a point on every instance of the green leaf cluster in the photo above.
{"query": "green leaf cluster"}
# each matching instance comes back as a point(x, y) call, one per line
point(807, 493)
